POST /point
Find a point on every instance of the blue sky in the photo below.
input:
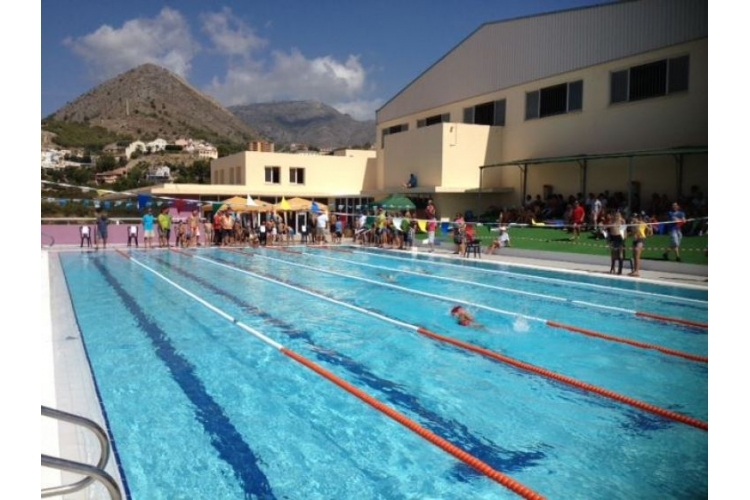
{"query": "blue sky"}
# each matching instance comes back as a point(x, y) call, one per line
point(351, 55)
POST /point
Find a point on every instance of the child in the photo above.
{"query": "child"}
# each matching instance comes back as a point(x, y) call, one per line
point(503, 240)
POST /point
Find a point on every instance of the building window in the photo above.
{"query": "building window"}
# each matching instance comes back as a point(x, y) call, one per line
point(238, 175)
point(554, 100)
point(489, 113)
point(296, 175)
point(434, 120)
point(392, 130)
point(646, 81)
point(273, 175)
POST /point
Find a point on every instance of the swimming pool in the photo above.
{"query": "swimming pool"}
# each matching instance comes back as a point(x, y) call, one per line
point(313, 373)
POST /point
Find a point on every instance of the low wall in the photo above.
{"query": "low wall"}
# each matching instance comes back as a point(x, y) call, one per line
point(62, 234)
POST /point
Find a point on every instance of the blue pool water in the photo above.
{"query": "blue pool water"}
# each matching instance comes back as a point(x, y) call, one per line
point(201, 406)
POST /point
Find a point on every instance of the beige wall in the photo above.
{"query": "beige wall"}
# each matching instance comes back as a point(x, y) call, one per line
point(346, 174)
point(442, 155)
point(663, 122)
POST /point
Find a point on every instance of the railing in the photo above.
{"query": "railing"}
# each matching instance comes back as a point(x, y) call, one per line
point(90, 472)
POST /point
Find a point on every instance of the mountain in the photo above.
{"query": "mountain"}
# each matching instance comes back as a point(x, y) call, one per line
point(307, 122)
point(149, 102)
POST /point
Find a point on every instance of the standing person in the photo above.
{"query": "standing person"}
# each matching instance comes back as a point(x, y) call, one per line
point(676, 221)
point(579, 215)
point(338, 227)
point(321, 224)
point(102, 223)
point(380, 227)
point(218, 230)
point(430, 211)
point(616, 243)
point(458, 232)
point(208, 232)
point(148, 229)
point(165, 227)
point(192, 229)
point(639, 239)
point(431, 228)
point(227, 228)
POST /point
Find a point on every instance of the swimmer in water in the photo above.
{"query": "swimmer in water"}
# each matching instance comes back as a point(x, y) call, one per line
point(390, 278)
point(464, 318)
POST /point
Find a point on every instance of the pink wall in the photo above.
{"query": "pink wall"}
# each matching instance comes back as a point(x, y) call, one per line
point(70, 235)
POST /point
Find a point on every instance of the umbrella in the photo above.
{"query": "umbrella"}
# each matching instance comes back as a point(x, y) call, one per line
point(394, 202)
point(283, 205)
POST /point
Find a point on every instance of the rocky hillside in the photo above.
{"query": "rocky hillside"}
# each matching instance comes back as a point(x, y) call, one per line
point(306, 122)
point(150, 101)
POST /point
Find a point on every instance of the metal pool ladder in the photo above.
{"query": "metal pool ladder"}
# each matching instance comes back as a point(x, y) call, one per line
point(89, 471)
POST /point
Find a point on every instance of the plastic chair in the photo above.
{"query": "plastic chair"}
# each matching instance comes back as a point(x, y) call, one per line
point(133, 235)
point(85, 232)
point(475, 247)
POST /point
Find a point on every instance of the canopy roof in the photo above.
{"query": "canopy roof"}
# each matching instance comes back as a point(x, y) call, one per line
point(239, 204)
point(299, 205)
point(394, 202)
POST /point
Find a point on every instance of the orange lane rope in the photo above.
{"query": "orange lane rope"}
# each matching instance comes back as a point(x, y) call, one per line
point(635, 343)
point(669, 319)
point(457, 452)
point(662, 412)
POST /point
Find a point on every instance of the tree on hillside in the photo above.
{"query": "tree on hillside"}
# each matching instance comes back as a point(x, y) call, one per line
point(105, 163)
point(199, 172)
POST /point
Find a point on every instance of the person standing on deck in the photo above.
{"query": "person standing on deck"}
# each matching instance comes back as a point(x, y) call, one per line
point(102, 223)
point(676, 221)
point(165, 227)
point(148, 229)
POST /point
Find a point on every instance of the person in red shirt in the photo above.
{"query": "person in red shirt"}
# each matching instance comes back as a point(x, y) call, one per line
point(579, 215)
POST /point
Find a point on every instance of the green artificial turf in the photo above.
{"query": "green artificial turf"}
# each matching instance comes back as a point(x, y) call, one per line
point(694, 249)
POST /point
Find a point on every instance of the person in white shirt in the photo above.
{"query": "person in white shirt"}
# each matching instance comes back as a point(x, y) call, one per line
point(503, 240)
point(321, 224)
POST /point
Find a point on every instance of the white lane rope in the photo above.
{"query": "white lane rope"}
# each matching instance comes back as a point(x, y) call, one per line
point(543, 278)
point(212, 307)
point(481, 285)
point(374, 282)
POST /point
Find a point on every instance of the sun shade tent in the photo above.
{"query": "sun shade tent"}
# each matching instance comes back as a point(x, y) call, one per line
point(239, 204)
point(303, 205)
point(394, 202)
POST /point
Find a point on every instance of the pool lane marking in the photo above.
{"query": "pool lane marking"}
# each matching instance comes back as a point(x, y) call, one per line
point(501, 459)
point(437, 259)
point(413, 426)
point(637, 314)
point(553, 324)
point(224, 437)
point(678, 417)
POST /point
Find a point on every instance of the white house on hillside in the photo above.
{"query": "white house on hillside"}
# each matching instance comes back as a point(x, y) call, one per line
point(133, 147)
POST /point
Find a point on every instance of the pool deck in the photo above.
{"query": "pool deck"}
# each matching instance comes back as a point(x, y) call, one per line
point(67, 384)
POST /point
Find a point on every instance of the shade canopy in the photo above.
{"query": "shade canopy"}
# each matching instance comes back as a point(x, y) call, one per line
point(238, 204)
point(299, 205)
point(394, 202)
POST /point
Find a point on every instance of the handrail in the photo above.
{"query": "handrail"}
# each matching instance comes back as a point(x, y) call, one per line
point(91, 472)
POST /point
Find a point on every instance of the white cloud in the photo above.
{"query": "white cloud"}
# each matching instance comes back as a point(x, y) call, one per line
point(230, 35)
point(252, 74)
point(291, 76)
point(359, 109)
point(165, 40)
